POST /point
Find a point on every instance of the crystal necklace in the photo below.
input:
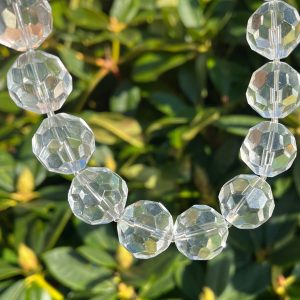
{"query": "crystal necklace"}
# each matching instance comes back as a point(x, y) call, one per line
point(63, 143)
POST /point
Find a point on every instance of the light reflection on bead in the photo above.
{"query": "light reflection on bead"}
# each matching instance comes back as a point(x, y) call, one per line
point(24, 24)
point(145, 229)
point(246, 201)
point(200, 233)
point(63, 143)
point(98, 196)
point(39, 82)
point(269, 149)
point(274, 90)
point(274, 30)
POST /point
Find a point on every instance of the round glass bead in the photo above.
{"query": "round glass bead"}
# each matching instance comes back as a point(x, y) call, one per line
point(63, 143)
point(24, 24)
point(39, 82)
point(269, 149)
point(274, 29)
point(200, 233)
point(145, 229)
point(274, 90)
point(98, 196)
point(246, 201)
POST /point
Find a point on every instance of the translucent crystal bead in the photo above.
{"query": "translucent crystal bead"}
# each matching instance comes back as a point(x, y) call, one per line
point(24, 24)
point(246, 201)
point(273, 30)
point(63, 143)
point(269, 149)
point(145, 229)
point(39, 82)
point(200, 233)
point(98, 196)
point(274, 90)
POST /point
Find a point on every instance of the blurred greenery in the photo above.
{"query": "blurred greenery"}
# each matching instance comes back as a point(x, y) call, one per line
point(162, 83)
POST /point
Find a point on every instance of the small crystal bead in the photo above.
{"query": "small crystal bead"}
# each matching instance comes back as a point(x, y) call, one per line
point(269, 149)
point(274, 90)
point(246, 201)
point(63, 143)
point(24, 24)
point(145, 229)
point(274, 29)
point(98, 196)
point(39, 82)
point(200, 233)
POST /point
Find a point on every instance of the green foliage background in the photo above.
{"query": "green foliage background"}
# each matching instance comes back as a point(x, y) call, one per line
point(162, 83)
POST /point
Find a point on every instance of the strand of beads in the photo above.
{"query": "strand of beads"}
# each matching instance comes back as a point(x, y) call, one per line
point(39, 82)
point(274, 92)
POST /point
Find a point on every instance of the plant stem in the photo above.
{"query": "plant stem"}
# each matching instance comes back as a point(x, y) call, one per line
point(92, 85)
point(116, 47)
point(60, 228)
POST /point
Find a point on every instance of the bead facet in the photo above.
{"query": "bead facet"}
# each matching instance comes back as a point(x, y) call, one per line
point(24, 24)
point(274, 29)
point(269, 149)
point(274, 90)
point(98, 196)
point(145, 229)
point(246, 201)
point(39, 82)
point(63, 143)
point(200, 233)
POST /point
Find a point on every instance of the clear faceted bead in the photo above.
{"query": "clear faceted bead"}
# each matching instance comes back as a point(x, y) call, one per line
point(98, 196)
point(274, 90)
point(200, 233)
point(145, 229)
point(269, 149)
point(63, 143)
point(24, 24)
point(274, 29)
point(246, 201)
point(39, 82)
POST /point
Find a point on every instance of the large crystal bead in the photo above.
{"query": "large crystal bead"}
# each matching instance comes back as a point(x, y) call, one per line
point(269, 149)
point(274, 29)
point(246, 201)
point(274, 90)
point(145, 229)
point(200, 233)
point(24, 24)
point(39, 82)
point(98, 196)
point(63, 143)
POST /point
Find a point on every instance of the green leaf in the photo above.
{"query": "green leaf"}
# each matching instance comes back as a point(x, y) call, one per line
point(125, 10)
point(74, 63)
point(8, 271)
point(87, 18)
point(219, 272)
point(7, 172)
point(170, 104)
point(190, 13)
point(125, 128)
point(126, 99)
point(189, 278)
point(6, 104)
point(97, 256)
point(15, 291)
point(70, 269)
point(150, 66)
point(103, 237)
point(237, 124)
point(288, 254)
